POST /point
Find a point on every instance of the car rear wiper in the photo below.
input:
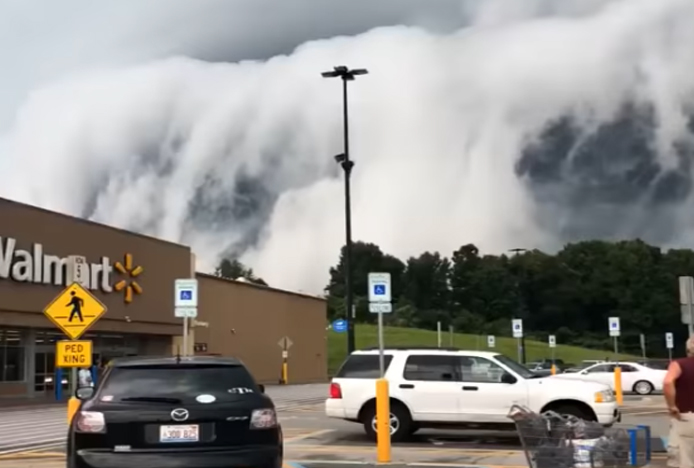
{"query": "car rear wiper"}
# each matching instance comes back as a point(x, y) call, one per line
point(152, 399)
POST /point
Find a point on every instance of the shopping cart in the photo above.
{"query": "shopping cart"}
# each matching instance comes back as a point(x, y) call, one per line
point(551, 440)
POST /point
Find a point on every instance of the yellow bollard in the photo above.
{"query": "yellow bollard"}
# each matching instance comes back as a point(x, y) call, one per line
point(553, 369)
point(285, 377)
point(73, 404)
point(382, 421)
point(618, 385)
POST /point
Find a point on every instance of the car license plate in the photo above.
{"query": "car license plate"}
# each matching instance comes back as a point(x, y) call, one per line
point(187, 433)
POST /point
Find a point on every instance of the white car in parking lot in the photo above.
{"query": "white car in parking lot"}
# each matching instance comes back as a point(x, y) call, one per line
point(636, 377)
point(439, 388)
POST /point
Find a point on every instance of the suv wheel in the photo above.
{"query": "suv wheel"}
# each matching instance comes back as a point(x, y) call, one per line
point(574, 410)
point(400, 422)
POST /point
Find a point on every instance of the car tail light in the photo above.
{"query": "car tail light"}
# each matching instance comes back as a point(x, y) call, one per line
point(91, 422)
point(263, 419)
point(335, 391)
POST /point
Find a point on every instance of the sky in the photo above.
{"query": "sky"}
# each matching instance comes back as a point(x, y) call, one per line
point(524, 124)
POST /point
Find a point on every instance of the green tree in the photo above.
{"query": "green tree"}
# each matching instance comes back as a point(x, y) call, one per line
point(484, 286)
point(569, 294)
point(233, 269)
point(366, 258)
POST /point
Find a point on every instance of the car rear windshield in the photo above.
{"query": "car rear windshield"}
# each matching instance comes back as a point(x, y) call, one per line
point(363, 366)
point(182, 383)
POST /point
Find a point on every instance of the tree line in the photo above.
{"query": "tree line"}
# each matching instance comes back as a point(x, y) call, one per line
point(570, 294)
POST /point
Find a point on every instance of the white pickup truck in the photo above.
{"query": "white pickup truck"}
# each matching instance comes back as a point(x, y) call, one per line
point(439, 388)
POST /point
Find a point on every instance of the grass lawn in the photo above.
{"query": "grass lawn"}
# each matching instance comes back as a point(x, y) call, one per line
point(367, 336)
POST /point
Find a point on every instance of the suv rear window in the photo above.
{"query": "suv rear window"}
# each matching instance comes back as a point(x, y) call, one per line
point(180, 382)
point(363, 366)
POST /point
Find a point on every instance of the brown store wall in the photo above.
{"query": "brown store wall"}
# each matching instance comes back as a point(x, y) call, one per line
point(247, 321)
point(22, 303)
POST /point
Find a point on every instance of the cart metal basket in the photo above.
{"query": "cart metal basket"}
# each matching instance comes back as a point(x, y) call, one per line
point(551, 440)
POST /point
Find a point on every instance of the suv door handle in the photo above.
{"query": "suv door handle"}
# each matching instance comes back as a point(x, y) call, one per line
point(406, 386)
point(473, 389)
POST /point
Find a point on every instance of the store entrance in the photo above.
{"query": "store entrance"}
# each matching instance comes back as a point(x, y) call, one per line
point(45, 377)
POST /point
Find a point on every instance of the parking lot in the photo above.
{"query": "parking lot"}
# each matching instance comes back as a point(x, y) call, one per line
point(314, 441)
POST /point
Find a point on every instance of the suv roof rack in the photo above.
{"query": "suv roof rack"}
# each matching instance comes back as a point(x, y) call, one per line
point(410, 348)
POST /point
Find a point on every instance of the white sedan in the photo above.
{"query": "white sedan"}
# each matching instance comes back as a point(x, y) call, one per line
point(636, 377)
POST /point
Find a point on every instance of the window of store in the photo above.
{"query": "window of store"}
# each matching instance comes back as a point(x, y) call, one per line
point(11, 356)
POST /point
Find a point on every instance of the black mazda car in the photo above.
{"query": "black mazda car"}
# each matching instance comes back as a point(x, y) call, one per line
point(202, 412)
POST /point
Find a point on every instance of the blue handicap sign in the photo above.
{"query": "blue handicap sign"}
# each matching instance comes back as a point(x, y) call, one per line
point(340, 326)
point(186, 295)
point(516, 326)
point(379, 289)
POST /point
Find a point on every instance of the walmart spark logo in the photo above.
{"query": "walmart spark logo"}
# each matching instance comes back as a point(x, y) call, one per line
point(129, 286)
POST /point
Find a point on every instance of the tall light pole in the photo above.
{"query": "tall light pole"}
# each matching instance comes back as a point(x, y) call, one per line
point(345, 74)
point(517, 251)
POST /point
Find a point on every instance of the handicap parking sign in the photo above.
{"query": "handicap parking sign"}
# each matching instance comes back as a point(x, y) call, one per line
point(379, 287)
point(186, 295)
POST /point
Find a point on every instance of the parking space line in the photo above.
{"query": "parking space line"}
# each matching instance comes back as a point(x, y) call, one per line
point(308, 435)
point(435, 450)
point(637, 413)
point(464, 465)
point(298, 464)
point(29, 454)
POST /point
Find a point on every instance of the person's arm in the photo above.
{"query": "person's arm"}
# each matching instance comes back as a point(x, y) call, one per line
point(674, 371)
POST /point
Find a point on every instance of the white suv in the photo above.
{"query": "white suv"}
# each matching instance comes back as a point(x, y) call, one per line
point(439, 388)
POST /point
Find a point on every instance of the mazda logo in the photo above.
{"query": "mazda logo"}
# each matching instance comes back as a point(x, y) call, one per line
point(179, 414)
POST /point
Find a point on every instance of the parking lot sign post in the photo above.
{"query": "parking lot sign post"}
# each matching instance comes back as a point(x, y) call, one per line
point(552, 342)
point(491, 341)
point(517, 329)
point(669, 344)
point(380, 298)
point(614, 328)
point(185, 305)
point(74, 311)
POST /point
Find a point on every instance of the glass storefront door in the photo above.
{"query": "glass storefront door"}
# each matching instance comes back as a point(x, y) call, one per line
point(44, 377)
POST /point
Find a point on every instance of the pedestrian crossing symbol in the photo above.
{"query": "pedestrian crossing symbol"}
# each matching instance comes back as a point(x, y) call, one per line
point(75, 310)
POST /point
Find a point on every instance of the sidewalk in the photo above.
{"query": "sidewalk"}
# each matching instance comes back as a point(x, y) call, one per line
point(25, 402)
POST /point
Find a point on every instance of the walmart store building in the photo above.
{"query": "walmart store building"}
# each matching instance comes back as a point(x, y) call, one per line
point(133, 275)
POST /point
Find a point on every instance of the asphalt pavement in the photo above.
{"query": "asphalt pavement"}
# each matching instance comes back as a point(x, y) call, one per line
point(314, 441)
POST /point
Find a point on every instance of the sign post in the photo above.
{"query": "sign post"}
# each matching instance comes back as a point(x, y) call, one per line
point(614, 329)
point(552, 342)
point(491, 341)
point(669, 344)
point(380, 298)
point(285, 343)
point(642, 340)
point(517, 328)
point(74, 311)
point(185, 304)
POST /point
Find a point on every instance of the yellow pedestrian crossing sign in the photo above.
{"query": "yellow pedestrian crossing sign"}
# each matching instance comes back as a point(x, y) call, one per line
point(75, 310)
